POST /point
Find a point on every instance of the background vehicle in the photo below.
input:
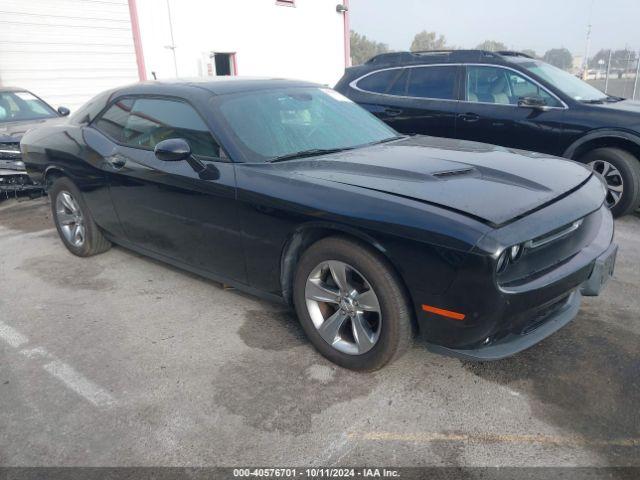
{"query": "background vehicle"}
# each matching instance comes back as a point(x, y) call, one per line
point(508, 99)
point(293, 192)
point(20, 110)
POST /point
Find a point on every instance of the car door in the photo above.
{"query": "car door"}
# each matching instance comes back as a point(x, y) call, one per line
point(413, 100)
point(494, 111)
point(165, 207)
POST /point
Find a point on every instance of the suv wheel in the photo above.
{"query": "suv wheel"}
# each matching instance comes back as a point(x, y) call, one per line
point(351, 304)
point(74, 223)
point(621, 173)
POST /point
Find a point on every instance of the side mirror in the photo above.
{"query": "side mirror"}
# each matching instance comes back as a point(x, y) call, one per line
point(532, 102)
point(172, 150)
point(63, 111)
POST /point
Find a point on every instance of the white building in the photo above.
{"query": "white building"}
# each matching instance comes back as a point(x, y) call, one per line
point(68, 50)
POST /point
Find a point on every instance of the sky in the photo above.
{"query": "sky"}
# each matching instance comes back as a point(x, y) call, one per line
point(536, 24)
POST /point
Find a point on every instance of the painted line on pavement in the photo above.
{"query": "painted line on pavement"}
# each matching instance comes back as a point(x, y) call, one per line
point(429, 437)
point(72, 379)
point(79, 384)
point(11, 336)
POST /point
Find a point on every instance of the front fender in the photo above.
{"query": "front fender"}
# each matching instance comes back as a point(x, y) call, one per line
point(621, 134)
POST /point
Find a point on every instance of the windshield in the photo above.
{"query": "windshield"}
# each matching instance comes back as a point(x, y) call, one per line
point(565, 82)
point(269, 124)
point(19, 106)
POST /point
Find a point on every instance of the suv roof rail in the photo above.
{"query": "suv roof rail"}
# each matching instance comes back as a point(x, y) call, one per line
point(513, 53)
point(395, 58)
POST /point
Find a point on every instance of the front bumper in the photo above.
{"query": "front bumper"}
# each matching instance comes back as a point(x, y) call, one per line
point(557, 314)
point(516, 318)
point(515, 343)
point(16, 181)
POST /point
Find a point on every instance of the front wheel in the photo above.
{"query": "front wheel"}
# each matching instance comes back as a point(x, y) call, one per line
point(620, 172)
point(74, 223)
point(351, 304)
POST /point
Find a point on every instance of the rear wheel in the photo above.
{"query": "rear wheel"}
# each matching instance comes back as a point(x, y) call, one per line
point(351, 304)
point(621, 173)
point(74, 223)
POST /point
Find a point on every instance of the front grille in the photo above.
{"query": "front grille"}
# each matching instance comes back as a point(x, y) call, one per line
point(551, 250)
point(10, 151)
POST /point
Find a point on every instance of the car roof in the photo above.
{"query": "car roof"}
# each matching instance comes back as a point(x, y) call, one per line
point(215, 85)
point(445, 56)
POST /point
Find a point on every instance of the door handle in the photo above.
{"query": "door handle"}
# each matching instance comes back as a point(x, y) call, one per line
point(469, 117)
point(116, 161)
point(392, 112)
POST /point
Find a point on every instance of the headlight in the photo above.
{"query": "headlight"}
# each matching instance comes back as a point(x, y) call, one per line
point(503, 261)
point(509, 255)
point(515, 252)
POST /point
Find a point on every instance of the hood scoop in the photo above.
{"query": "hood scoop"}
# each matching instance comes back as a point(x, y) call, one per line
point(453, 173)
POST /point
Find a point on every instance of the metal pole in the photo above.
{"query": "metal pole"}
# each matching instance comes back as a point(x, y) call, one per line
point(626, 67)
point(173, 44)
point(606, 82)
point(585, 70)
point(635, 83)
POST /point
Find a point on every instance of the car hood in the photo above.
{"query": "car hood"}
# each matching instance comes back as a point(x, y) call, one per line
point(492, 184)
point(630, 106)
point(13, 131)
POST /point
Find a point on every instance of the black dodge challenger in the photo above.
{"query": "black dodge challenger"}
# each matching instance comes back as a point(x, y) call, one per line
point(289, 190)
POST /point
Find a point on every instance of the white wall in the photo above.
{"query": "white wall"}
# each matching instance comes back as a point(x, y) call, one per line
point(66, 51)
point(303, 42)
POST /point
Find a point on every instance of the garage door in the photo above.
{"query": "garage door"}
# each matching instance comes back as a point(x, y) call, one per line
point(66, 51)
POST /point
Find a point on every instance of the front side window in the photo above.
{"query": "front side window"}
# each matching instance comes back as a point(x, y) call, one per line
point(432, 82)
point(21, 106)
point(144, 122)
point(503, 87)
point(279, 122)
point(565, 82)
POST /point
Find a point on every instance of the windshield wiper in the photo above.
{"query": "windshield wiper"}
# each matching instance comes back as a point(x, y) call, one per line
point(595, 101)
point(313, 152)
point(614, 99)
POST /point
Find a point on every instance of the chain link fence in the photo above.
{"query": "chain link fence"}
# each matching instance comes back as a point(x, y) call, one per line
point(619, 79)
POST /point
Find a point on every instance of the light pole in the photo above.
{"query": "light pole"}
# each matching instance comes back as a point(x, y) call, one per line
point(635, 83)
point(172, 47)
point(606, 81)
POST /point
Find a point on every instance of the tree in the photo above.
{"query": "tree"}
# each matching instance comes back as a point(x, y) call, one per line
point(428, 41)
point(362, 49)
point(559, 57)
point(531, 53)
point(492, 46)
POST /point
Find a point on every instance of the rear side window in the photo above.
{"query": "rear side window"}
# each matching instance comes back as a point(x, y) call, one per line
point(432, 82)
point(144, 122)
point(399, 86)
point(378, 82)
point(113, 122)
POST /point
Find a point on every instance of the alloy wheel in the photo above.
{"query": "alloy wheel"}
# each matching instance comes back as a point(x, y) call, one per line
point(70, 219)
point(343, 307)
point(612, 178)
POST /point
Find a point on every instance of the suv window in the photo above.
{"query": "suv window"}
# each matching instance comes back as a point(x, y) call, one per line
point(432, 82)
point(378, 82)
point(399, 87)
point(144, 122)
point(503, 87)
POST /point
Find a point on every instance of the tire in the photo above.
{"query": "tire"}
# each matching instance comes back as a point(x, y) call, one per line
point(391, 325)
point(66, 221)
point(628, 168)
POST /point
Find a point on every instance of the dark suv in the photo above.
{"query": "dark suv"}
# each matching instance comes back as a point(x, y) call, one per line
point(509, 99)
